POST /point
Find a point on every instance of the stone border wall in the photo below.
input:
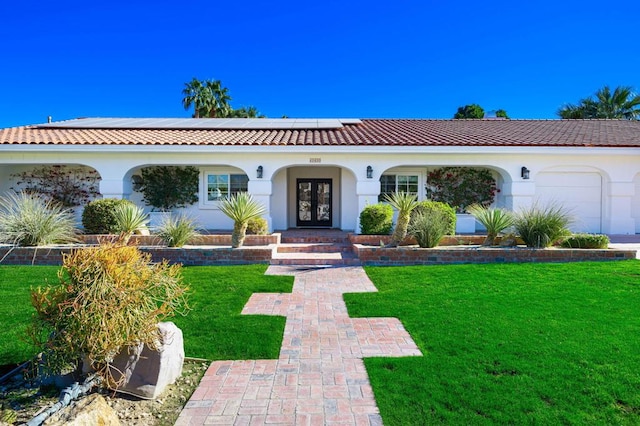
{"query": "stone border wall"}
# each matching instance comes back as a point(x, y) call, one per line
point(381, 256)
point(200, 240)
point(188, 256)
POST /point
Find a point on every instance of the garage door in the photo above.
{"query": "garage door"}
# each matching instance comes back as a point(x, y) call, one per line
point(581, 193)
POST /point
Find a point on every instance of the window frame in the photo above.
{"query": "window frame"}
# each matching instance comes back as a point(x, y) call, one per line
point(419, 175)
point(228, 172)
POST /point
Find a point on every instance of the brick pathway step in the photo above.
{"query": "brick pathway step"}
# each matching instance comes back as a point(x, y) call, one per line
point(319, 377)
point(315, 247)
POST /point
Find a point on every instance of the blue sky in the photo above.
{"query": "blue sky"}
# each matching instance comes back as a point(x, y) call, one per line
point(364, 59)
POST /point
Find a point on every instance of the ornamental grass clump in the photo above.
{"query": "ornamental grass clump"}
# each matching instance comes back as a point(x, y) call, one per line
point(29, 220)
point(428, 227)
point(404, 203)
point(495, 220)
point(541, 227)
point(108, 298)
point(448, 211)
point(241, 208)
point(177, 230)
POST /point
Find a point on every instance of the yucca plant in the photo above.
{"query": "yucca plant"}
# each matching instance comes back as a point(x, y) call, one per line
point(404, 203)
point(241, 208)
point(495, 220)
point(542, 226)
point(177, 230)
point(28, 219)
point(129, 220)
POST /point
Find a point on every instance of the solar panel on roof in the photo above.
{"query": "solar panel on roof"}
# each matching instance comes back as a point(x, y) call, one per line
point(201, 123)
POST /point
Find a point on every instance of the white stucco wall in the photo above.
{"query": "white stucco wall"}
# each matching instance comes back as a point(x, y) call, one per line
point(618, 169)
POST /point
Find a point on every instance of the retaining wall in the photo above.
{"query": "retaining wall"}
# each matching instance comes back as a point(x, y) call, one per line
point(370, 255)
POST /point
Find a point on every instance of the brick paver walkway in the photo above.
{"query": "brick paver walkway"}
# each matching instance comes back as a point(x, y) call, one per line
point(319, 377)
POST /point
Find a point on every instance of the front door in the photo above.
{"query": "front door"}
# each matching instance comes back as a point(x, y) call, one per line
point(313, 202)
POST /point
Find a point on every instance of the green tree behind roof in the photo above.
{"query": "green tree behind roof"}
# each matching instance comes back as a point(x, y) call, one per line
point(622, 103)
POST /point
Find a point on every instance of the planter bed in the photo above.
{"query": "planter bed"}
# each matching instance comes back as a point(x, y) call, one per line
point(188, 255)
point(201, 240)
point(413, 255)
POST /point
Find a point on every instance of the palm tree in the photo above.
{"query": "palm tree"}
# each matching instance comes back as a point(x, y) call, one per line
point(219, 106)
point(209, 98)
point(622, 103)
point(241, 208)
point(404, 202)
point(196, 94)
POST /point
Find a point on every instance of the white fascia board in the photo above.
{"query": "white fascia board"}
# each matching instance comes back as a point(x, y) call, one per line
point(328, 149)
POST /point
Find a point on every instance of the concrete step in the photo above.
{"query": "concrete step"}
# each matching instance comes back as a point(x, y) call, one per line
point(353, 261)
point(314, 248)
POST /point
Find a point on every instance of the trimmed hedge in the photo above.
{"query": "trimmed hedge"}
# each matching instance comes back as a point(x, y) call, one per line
point(426, 207)
point(376, 219)
point(586, 241)
point(98, 217)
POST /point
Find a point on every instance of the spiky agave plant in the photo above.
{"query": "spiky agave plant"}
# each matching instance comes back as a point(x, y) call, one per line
point(495, 220)
point(29, 220)
point(404, 203)
point(241, 208)
point(129, 219)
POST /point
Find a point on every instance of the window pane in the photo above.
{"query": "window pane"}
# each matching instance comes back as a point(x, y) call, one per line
point(217, 187)
point(387, 186)
point(239, 183)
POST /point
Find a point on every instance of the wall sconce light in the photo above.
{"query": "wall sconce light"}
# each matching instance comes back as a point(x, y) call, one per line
point(259, 172)
point(369, 172)
point(136, 182)
point(524, 173)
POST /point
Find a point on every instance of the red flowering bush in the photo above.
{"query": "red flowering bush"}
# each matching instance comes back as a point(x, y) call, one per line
point(69, 186)
point(461, 187)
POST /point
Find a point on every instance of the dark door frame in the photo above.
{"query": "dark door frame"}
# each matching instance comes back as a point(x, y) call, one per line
point(313, 203)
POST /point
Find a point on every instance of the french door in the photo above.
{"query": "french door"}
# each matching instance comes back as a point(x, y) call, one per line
point(313, 202)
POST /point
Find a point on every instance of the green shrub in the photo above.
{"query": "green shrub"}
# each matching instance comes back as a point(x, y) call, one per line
point(542, 226)
point(586, 241)
point(428, 227)
point(450, 213)
point(376, 219)
point(30, 220)
point(495, 220)
point(169, 187)
point(108, 298)
point(98, 216)
point(177, 230)
point(461, 187)
point(257, 226)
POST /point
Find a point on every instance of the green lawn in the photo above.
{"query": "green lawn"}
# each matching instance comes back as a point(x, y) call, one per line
point(213, 329)
point(509, 344)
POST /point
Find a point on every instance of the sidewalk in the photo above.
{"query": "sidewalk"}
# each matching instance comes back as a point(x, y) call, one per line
point(319, 377)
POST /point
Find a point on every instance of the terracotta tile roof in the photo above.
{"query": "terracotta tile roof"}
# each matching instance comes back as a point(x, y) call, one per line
point(368, 132)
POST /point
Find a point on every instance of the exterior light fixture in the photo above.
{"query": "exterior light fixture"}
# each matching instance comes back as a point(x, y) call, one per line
point(369, 172)
point(259, 172)
point(136, 181)
point(524, 173)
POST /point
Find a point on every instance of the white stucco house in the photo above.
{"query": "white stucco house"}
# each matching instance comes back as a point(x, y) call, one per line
point(323, 172)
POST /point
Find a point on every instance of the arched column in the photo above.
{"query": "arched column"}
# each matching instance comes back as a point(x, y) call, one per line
point(261, 191)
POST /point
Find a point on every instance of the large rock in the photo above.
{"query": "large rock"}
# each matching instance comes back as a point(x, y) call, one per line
point(90, 411)
point(144, 372)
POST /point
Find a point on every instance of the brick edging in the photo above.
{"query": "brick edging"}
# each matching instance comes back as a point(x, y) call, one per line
point(383, 256)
